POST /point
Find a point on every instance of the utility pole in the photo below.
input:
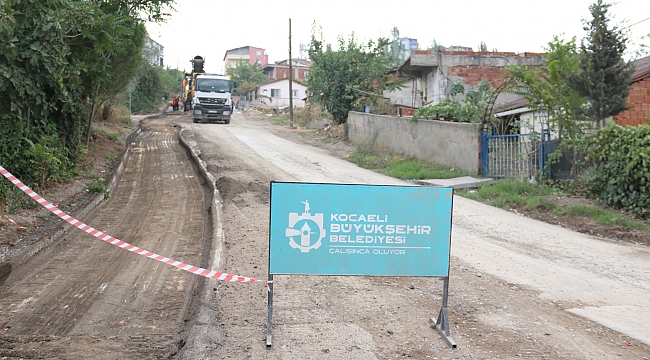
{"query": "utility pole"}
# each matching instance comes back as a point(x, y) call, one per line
point(290, 80)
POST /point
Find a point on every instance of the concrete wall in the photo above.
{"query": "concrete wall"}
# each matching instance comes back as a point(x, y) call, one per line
point(447, 143)
point(283, 86)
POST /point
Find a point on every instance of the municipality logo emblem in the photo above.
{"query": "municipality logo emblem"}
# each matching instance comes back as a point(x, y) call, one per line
point(305, 230)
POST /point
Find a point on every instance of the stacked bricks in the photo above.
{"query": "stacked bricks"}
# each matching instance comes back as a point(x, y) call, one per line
point(473, 75)
point(639, 103)
point(283, 73)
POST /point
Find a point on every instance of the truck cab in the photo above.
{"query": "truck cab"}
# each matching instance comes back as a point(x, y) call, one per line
point(212, 99)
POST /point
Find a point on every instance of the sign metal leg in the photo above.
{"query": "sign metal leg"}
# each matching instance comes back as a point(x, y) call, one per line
point(269, 320)
point(442, 323)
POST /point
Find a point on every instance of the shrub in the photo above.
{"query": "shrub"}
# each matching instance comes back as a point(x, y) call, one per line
point(621, 177)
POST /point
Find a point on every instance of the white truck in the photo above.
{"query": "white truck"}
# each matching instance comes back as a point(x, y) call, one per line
point(212, 100)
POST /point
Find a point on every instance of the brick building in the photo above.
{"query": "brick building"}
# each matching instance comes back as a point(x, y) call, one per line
point(639, 98)
point(250, 54)
point(431, 72)
point(280, 69)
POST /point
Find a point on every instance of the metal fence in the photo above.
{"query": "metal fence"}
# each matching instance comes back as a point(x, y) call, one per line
point(521, 156)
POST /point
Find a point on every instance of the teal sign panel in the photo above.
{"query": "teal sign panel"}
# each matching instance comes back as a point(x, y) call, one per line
point(376, 230)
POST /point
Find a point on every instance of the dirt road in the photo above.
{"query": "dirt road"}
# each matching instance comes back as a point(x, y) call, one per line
point(519, 287)
point(83, 298)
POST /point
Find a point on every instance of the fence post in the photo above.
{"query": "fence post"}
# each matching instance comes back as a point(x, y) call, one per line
point(483, 154)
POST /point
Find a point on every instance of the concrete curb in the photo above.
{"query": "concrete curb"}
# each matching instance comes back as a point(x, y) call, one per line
point(463, 182)
point(186, 138)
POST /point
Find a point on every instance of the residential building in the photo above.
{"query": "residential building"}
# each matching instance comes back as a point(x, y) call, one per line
point(280, 69)
point(459, 48)
point(153, 51)
point(639, 98)
point(404, 48)
point(518, 117)
point(638, 101)
point(276, 93)
point(430, 73)
point(250, 54)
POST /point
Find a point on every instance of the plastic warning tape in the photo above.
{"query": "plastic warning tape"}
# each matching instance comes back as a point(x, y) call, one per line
point(15, 223)
point(121, 244)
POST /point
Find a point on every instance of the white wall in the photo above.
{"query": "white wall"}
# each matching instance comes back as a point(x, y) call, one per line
point(283, 100)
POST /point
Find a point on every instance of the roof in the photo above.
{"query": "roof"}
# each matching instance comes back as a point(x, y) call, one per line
point(512, 105)
point(237, 48)
point(425, 60)
point(276, 81)
point(297, 63)
point(642, 69)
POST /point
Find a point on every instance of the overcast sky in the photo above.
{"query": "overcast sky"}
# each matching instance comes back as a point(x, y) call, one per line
point(210, 27)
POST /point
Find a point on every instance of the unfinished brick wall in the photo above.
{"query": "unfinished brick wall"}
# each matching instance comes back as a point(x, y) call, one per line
point(639, 100)
point(472, 75)
point(283, 73)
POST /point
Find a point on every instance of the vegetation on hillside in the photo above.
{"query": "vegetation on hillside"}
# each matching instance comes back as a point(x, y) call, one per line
point(58, 60)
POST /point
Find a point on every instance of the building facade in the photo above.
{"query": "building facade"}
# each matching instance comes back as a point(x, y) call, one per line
point(280, 69)
point(153, 52)
point(276, 93)
point(250, 54)
point(638, 100)
point(430, 73)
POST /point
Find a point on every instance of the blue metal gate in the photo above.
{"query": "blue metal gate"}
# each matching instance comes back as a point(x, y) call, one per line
point(522, 156)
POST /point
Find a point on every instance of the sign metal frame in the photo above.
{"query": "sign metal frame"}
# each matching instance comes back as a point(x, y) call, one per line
point(441, 322)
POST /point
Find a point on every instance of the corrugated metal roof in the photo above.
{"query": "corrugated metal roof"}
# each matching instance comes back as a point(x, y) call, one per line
point(515, 104)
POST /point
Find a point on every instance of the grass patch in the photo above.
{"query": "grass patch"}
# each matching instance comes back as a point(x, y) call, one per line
point(510, 193)
point(280, 119)
point(605, 217)
point(114, 136)
point(403, 168)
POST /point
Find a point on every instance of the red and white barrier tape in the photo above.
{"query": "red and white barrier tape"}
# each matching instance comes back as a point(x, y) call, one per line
point(13, 222)
point(121, 244)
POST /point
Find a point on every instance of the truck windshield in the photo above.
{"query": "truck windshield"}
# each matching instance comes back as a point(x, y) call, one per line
point(213, 85)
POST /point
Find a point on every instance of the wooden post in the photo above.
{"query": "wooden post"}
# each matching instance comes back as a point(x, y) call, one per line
point(290, 80)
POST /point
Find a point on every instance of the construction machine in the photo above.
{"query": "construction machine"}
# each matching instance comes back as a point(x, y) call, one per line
point(207, 95)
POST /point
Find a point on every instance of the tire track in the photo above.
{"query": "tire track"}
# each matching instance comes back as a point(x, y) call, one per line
point(101, 296)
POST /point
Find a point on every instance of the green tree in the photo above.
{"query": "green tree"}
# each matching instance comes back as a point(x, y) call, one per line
point(171, 80)
point(395, 48)
point(644, 48)
point(548, 92)
point(247, 76)
point(56, 58)
point(470, 109)
point(355, 73)
point(603, 76)
point(436, 46)
point(149, 92)
point(482, 47)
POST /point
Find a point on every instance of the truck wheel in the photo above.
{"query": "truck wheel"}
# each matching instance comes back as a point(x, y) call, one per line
point(227, 121)
point(195, 120)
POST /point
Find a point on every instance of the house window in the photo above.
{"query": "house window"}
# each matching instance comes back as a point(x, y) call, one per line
point(258, 53)
point(275, 93)
point(295, 93)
